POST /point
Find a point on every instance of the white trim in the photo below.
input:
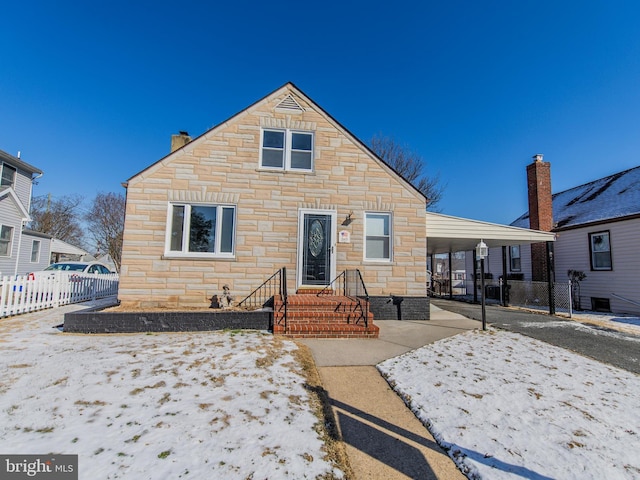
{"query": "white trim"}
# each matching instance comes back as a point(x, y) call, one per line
point(168, 253)
point(10, 245)
point(37, 260)
point(332, 250)
point(454, 234)
point(364, 247)
point(287, 148)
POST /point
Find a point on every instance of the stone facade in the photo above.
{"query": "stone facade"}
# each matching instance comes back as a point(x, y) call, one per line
point(222, 166)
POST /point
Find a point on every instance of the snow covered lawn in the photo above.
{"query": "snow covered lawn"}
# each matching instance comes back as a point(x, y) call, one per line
point(506, 406)
point(192, 405)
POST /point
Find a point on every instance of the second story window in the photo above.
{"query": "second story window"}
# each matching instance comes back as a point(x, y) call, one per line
point(286, 150)
point(6, 235)
point(8, 175)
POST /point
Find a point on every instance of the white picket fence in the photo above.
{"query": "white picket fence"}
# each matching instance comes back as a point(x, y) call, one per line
point(22, 294)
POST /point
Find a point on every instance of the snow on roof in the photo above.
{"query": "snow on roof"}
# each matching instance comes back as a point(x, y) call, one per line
point(615, 196)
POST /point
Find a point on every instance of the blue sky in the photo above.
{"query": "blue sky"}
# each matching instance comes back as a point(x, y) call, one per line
point(91, 92)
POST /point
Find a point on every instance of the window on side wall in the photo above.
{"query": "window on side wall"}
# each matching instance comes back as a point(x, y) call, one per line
point(600, 247)
point(6, 235)
point(35, 251)
point(514, 258)
point(377, 236)
point(286, 150)
point(201, 230)
point(8, 175)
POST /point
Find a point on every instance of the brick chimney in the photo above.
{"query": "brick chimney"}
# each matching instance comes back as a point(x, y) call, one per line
point(179, 140)
point(540, 212)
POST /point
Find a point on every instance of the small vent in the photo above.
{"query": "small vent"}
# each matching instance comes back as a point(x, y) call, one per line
point(289, 105)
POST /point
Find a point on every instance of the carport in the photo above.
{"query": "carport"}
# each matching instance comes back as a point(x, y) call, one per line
point(447, 234)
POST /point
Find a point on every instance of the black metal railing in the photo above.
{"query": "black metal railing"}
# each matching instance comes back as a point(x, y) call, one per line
point(263, 296)
point(350, 284)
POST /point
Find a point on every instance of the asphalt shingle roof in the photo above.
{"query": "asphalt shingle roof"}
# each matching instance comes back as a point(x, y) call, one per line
point(607, 198)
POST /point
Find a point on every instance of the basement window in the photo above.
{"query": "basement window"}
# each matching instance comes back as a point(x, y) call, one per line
point(600, 304)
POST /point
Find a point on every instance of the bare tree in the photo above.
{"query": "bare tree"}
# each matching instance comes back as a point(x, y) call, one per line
point(58, 217)
point(411, 166)
point(105, 220)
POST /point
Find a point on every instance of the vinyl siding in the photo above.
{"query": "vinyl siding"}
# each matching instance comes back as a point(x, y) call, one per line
point(25, 265)
point(572, 252)
point(22, 187)
point(10, 216)
point(493, 264)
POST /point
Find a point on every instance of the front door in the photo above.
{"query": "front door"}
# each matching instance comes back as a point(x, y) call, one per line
point(316, 263)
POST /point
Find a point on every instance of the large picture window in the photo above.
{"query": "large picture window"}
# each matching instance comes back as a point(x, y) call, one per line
point(201, 230)
point(514, 258)
point(286, 150)
point(6, 235)
point(377, 236)
point(600, 246)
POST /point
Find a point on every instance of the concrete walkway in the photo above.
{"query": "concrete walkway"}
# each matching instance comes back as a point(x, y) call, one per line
point(384, 440)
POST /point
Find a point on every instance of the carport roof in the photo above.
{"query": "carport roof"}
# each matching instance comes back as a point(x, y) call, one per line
point(454, 234)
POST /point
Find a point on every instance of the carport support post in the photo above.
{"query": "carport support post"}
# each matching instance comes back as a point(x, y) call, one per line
point(450, 277)
point(505, 284)
point(475, 277)
point(551, 278)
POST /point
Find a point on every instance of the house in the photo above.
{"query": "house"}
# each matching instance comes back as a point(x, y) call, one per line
point(62, 251)
point(21, 250)
point(597, 226)
point(280, 184)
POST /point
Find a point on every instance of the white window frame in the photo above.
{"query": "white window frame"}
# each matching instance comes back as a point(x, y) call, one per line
point(10, 241)
point(288, 148)
point(390, 235)
point(37, 252)
point(184, 252)
point(512, 258)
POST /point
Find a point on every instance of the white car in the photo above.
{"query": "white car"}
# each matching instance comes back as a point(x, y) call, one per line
point(72, 268)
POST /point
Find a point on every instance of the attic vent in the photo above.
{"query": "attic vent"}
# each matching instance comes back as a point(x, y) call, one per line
point(289, 105)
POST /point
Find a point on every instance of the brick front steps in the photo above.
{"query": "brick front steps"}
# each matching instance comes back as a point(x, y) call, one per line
point(324, 316)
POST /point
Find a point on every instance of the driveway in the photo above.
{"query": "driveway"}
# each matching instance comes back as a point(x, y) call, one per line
point(620, 349)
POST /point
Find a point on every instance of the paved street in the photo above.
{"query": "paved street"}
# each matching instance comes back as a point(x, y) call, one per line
point(615, 348)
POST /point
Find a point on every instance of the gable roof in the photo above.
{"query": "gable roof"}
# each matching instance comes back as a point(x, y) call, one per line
point(290, 103)
point(16, 162)
point(610, 198)
point(9, 192)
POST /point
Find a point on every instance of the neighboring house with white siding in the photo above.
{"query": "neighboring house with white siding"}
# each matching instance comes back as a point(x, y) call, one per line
point(598, 230)
point(21, 251)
